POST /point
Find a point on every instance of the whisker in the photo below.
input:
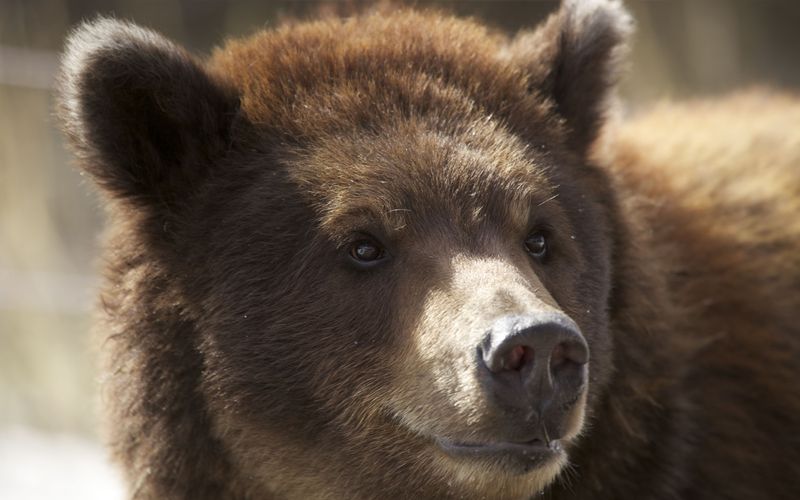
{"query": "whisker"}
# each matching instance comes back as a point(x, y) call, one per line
point(548, 199)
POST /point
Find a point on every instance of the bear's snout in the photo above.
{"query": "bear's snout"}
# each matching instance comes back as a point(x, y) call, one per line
point(535, 364)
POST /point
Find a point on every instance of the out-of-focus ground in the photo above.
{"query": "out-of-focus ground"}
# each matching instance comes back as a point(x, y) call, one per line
point(37, 466)
point(49, 216)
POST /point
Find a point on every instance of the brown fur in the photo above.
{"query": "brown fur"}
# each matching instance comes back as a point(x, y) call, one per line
point(248, 358)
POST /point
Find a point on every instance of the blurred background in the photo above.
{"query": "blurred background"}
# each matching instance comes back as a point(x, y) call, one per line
point(50, 217)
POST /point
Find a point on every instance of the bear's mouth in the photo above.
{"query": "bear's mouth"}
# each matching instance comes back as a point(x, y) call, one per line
point(522, 456)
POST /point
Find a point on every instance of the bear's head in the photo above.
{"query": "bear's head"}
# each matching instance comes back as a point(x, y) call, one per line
point(384, 235)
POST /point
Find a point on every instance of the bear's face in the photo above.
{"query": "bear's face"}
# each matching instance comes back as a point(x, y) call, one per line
point(371, 284)
point(394, 254)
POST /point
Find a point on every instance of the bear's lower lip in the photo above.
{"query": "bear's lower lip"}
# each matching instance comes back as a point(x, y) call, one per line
point(527, 456)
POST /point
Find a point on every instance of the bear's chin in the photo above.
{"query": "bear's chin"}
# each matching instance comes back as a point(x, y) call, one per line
point(537, 457)
point(501, 474)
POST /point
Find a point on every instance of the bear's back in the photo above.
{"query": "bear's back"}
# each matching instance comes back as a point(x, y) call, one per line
point(717, 184)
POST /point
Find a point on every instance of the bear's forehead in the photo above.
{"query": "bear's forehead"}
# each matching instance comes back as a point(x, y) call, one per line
point(310, 78)
point(397, 114)
point(414, 172)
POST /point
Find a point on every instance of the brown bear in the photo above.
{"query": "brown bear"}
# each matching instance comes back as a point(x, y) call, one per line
point(400, 255)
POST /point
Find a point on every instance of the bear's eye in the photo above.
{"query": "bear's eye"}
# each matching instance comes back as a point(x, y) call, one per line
point(366, 251)
point(536, 245)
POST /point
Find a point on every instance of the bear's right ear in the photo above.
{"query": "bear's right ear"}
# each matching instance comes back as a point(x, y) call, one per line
point(574, 59)
point(146, 120)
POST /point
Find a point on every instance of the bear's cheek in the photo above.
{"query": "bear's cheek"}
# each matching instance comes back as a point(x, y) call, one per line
point(326, 342)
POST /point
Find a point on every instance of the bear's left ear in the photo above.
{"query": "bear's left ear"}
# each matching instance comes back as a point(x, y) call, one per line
point(145, 118)
point(574, 60)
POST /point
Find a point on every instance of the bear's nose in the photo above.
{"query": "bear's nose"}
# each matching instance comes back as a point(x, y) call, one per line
point(535, 358)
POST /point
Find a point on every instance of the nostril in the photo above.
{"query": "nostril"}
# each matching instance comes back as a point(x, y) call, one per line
point(574, 351)
point(566, 357)
point(559, 356)
point(513, 360)
point(518, 357)
point(564, 354)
